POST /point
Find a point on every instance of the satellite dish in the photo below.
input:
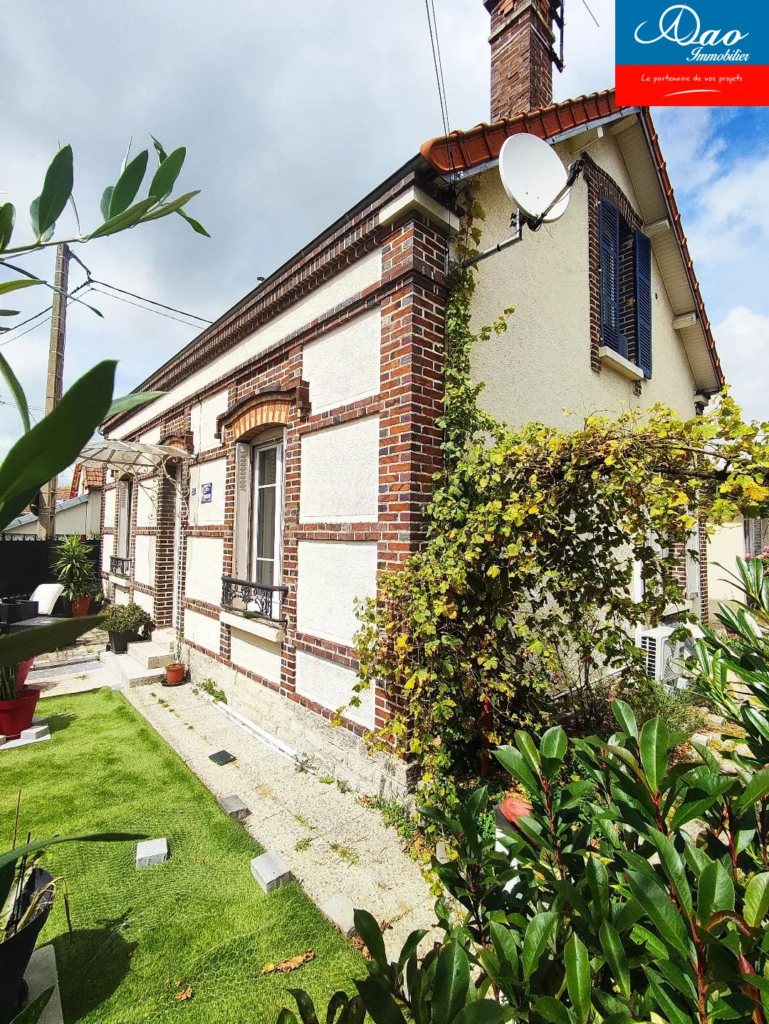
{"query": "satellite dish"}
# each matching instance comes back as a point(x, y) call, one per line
point(533, 177)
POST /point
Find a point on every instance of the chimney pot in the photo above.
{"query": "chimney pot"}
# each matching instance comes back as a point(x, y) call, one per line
point(521, 42)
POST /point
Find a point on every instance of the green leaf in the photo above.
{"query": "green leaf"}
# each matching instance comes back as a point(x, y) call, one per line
point(670, 1009)
point(513, 761)
point(162, 155)
point(368, 929)
point(124, 220)
point(11, 856)
point(136, 398)
point(756, 790)
point(715, 891)
point(337, 1002)
point(305, 1006)
point(128, 184)
point(654, 748)
point(410, 947)
point(16, 390)
point(194, 224)
point(674, 869)
point(57, 188)
point(452, 979)
point(536, 937)
point(165, 176)
point(661, 909)
point(485, 1011)
point(287, 1017)
point(598, 880)
point(380, 1003)
point(554, 743)
point(624, 715)
point(29, 643)
point(172, 207)
point(577, 962)
point(104, 205)
point(7, 221)
point(12, 286)
point(506, 949)
point(756, 899)
point(33, 1011)
point(614, 951)
point(551, 1010)
point(57, 440)
point(525, 744)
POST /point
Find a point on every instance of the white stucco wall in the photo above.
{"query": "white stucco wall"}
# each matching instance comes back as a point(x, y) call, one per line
point(209, 513)
point(202, 630)
point(203, 418)
point(361, 275)
point(541, 365)
point(725, 546)
point(151, 436)
point(340, 473)
point(144, 560)
point(343, 366)
point(331, 575)
point(331, 685)
point(110, 497)
point(146, 503)
point(107, 550)
point(145, 601)
point(256, 655)
point(204, 569)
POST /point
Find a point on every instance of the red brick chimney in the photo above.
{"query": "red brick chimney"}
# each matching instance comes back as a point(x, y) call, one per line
point(521, 56)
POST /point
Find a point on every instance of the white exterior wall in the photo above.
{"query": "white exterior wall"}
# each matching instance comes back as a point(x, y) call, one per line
point(205, 557)
point(331, 576)
point(145, 601)
point(107, 550)
point(151, 436)
point(331, 686)
point(340, 473)
point(209, 513)
point(144, 559)
point(256, 655)
point(725, 546)
point(110, 497)
point(541, 365)
point(203, 417)
point(146, 502)
point(343, 366)
point(360, 276)
point(202, 630)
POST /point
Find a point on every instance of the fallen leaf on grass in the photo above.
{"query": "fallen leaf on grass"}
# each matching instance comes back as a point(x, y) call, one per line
point(361, 946)
point(184, 995)
point(286, 966)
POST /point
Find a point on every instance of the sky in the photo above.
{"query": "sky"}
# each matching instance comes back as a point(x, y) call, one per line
point(292, 112)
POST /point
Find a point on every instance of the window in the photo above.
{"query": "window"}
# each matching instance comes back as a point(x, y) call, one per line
point(626, 298)
point(259, 511)
point(754, 537)
point(125, 496)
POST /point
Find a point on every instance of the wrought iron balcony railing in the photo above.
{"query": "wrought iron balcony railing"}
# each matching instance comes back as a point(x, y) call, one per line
point(242, 595)
point(119, 566)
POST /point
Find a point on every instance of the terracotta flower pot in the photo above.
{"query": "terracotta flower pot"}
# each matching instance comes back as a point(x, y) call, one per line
point(175, 673)
point(17, 715)
point(80, 606)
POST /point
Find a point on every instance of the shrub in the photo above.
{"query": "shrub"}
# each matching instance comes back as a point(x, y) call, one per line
point(127, 618)
point(75, 569)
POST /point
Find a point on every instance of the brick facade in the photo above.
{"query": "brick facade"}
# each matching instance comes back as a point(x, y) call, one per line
point(521, 59)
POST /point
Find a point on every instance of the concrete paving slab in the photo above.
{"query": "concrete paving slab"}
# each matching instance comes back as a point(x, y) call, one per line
point(271, 871)
point(150, 852)
point(341, 913)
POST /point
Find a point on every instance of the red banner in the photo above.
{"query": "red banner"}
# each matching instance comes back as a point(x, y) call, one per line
point(675, 85)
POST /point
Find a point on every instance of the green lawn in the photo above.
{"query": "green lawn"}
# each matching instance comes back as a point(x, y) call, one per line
point(199, 919)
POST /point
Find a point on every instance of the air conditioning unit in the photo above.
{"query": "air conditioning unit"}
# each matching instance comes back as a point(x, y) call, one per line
point(663, 656)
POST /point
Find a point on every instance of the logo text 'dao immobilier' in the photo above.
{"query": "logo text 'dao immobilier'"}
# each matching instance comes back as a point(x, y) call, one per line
point(706, 53)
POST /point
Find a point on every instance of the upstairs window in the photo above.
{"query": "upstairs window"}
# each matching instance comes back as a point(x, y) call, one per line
point(125, 498)
point(626, 296)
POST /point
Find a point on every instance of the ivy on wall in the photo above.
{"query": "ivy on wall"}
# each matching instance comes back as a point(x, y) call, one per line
point(527, 583)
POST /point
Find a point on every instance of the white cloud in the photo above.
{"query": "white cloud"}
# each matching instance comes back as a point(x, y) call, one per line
point(743, 342)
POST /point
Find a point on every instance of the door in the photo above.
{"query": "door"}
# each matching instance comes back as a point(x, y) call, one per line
point(177, 575)
point(266, 529)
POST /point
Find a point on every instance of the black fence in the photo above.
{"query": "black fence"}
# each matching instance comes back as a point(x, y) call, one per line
point(25, 563)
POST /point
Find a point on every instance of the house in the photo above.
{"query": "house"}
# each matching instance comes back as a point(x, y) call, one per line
point(305, 418)
point(78, 508)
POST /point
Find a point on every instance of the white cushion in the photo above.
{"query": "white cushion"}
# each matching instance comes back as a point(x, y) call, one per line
point(46, 595)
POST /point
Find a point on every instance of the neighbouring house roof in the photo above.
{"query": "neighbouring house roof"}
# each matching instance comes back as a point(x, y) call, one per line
point(61, 506)
point(90, 476)
point(462, 152)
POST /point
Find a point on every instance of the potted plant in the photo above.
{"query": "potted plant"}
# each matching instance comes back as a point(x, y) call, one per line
point(76, 572)
point(125, 624)
point(27, 894)
point(177, 670)
point(17, 703)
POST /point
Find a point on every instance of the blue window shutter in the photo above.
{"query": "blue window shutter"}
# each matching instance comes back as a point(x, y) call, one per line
point(608, 222)
point(643, 301)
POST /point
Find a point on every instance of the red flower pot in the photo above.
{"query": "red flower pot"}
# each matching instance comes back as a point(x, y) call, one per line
point(175, 673)
point(24, 668)
point(17, 715)
point(80, 606)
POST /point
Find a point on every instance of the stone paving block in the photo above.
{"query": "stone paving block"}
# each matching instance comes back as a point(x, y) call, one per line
point(151, 851)
point(271, 871)
point(340, 912)
point(36, 731)
point(234, 807)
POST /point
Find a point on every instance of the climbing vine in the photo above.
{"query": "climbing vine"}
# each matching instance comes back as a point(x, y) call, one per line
point(527, 583)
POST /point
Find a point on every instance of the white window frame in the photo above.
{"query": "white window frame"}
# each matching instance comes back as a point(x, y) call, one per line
point(124, 508)
point(257, 448)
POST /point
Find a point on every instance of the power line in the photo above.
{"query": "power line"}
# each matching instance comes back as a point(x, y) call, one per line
point(152, 302)
point(591, 13)
point(70, 298)
point(433, 29)
point(119, 298)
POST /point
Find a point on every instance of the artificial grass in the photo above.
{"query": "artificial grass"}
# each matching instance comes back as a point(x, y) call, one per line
point(199, 919)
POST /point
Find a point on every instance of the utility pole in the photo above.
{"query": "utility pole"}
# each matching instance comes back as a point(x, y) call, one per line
point(46, 517)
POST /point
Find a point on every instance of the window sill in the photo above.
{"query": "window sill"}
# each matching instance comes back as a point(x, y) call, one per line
point(120, 581)
point(256, 627)
point(620, 364)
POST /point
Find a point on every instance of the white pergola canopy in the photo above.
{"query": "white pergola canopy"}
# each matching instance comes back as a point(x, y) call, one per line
point(129, 455)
